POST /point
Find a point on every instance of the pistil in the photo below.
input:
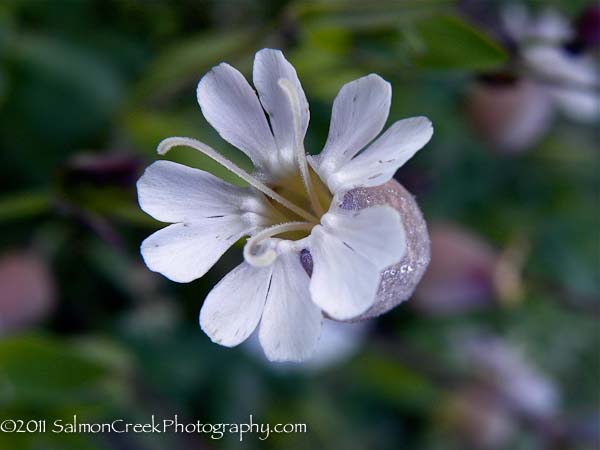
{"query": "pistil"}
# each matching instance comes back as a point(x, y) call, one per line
point(299, 150)
point(169, 143)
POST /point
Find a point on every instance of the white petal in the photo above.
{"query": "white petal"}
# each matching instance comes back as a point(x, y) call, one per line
point(551, 26)
point(580, 105)
point(515, 20)
point(557, 65)
point(572, 80)
point(234, 306)
point(344, 283)
point(231, 106)
point(359, 113)
point(291, 323)
point(378, 162)
point(349, 251)
point(269, 67)
point(376, 233)
point(185, 251)
point(172, 192)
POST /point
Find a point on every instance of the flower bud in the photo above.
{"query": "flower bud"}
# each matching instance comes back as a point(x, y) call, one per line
point(467, 273)
point(27, 291)
point(398, 281)
point(104, 169)
point(461, 274)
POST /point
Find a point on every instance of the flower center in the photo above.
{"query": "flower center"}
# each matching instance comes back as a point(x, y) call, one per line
point(260, 249)
point(300, 196)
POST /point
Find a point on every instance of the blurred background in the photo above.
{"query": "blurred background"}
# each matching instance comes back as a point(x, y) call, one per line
point(498, 349)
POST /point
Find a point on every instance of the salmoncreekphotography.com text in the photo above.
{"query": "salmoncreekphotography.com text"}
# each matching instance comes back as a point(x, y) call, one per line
point(75, 425)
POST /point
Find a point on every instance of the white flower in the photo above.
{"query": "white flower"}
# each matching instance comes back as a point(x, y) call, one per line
point(548, 27)
point(570, 79)
point(290, 196)
point(506, 367)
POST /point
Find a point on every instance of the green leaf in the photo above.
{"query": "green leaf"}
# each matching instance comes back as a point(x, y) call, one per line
point(360, 15)
point(447, 42)
point(321, 73)
point(24, 205)
point(85, 76)
point(36, 369)
point(188, 60)
point(394, 382)
point(148, 128)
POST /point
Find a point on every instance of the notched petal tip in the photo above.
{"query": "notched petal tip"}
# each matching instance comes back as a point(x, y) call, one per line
point(266, 51)
point(213, 72)
point(426, 122)
point(233, 308)
point(378, 78)
point(280, 358)
point(377, 163)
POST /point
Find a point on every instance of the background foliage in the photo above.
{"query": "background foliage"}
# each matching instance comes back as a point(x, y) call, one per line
point(87, 90)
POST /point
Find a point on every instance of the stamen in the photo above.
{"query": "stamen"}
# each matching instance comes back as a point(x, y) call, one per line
point(167, 144)
point(299, 150)
point(261, 256)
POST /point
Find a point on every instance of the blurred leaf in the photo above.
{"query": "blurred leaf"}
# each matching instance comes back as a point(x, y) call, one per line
point(447, 42)
point(332, 39)
point(24, 205)
point(132, 214)
point(328, 421)
point(73, 67)
point(189, 59)
point(322, 73)
point(105, 351)
point(3, 86)
point(149, 128)
point(41, 370)
point(394, 382)
point(361, 15)
point(109, 202)
point(117, 267)
point(66, 62)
